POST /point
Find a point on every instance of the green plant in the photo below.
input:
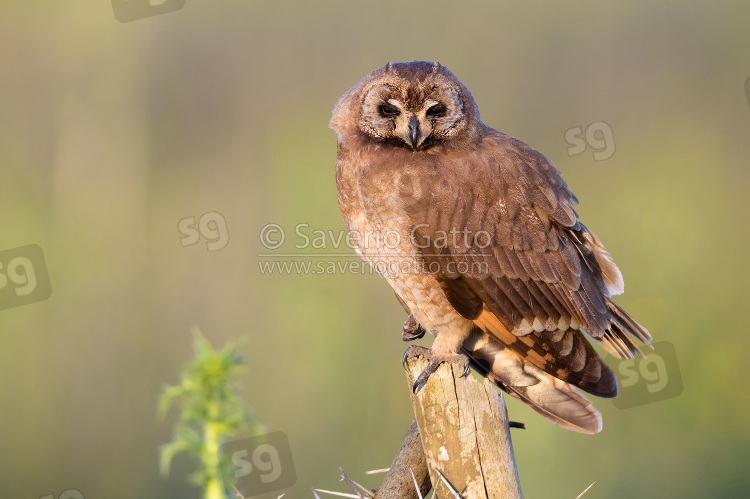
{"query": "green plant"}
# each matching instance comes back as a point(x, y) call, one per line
point(210, 412)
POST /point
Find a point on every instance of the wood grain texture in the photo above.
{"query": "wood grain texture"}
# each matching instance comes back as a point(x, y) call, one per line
point(463, 425)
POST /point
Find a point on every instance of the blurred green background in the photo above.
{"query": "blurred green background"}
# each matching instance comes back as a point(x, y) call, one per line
point(111, 133)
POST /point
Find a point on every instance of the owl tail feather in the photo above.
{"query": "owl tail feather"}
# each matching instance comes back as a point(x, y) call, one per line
point(556, 400)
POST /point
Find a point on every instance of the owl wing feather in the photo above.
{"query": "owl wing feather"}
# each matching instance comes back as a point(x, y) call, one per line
point(554, 399)
point(519, 263)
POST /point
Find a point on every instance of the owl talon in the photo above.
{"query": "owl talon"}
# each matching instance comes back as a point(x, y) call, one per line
point(412, 330)
point(415, 386)
point(415, 351)
point(433, 364)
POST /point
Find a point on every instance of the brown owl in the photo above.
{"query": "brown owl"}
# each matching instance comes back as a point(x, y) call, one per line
point(475, 232)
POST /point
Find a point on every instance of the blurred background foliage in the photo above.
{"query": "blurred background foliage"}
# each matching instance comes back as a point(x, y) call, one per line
point(110, 133)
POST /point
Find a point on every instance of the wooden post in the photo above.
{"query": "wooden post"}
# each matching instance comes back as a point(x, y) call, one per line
point(408, 467)
point(465, 435)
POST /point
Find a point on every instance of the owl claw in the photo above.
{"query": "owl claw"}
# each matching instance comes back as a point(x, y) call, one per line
point(415, 351)
point(433, 363)
point(412, 330)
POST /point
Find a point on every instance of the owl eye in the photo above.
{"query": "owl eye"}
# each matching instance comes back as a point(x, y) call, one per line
point(437, 111)
point(388, 110)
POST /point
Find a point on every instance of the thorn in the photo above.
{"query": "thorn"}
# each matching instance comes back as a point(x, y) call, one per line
point(357, 487)
point(333, 493)
point(587, 489)
point(450, 486)
point(416, 485)
point(374, 472)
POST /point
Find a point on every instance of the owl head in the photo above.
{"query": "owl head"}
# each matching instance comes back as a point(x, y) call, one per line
point(413, 105)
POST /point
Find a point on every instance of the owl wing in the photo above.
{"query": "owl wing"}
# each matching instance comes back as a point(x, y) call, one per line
point(497, 226)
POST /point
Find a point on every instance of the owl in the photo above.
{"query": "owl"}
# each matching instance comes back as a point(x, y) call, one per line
point(476, 233)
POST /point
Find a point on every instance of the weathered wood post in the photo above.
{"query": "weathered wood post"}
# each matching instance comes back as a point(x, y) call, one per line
point(459, 443)
point(463, 426)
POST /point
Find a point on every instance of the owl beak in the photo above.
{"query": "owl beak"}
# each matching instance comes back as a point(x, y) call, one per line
point(414, 131)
